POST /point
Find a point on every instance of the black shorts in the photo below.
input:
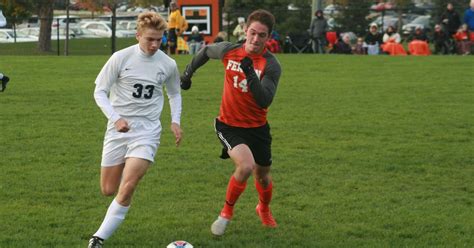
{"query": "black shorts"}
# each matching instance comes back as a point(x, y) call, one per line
point(258, 139)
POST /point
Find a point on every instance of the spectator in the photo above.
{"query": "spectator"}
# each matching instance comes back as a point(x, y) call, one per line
point(195, 40)
point(392, 41)
point(418, 35)
point(182, 47)
point(220, 37)
point(463, 43)
point(418, 44)
point(373, 40)
point(317, 31)
point(164, 42)
point(176, 26)
point(359, 47)
point(343, 45)
point(469, 19)
point(273, 44)
point(441, 41)
point(450, 19)
point(239, 30)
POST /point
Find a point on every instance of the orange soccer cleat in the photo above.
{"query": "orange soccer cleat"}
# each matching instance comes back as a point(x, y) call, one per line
point(266, 217)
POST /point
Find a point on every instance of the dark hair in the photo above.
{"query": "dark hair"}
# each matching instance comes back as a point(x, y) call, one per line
point(264, 17)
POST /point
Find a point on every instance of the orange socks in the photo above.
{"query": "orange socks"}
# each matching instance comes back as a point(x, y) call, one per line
point(234, 190)
point(264, 195)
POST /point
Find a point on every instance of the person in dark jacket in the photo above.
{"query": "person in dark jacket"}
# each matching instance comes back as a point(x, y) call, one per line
point(450, 18)
point(440, 40)
point(419, 34)
point(343, 45)
point(317, 31)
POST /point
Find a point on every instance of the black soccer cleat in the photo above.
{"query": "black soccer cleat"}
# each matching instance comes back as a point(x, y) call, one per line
point(95, 242)
point(5, 80)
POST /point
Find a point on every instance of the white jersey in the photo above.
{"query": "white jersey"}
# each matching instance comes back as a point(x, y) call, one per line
point(131, 85)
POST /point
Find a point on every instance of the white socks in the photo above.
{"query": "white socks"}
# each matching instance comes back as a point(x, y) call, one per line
point(114, 217)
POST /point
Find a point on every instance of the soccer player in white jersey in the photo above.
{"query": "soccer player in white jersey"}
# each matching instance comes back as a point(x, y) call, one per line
point(129, 91)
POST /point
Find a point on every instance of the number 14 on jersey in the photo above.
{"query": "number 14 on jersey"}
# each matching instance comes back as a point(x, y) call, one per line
point(242, 84)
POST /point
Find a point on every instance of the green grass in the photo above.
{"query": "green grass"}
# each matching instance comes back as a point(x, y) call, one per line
point(96, 46)
point(368, 152)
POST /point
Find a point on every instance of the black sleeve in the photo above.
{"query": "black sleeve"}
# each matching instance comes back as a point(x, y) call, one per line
point(264, 91)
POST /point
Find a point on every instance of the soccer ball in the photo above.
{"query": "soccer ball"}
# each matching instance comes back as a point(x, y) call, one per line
point(179, 244)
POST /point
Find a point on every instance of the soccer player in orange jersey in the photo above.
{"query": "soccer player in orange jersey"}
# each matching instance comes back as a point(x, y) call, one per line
point(250, 82)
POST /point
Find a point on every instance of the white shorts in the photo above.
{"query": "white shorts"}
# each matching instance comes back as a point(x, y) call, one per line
point(141, 141)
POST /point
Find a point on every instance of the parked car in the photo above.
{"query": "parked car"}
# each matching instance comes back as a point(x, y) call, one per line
point(128, 25)
point(62, 19)
point(82, 33)
point(104, 29)
point(424, 22)
point(388, 20)
point(331, 10)
point(8, 36)
point(34, 32)
point(31, 22)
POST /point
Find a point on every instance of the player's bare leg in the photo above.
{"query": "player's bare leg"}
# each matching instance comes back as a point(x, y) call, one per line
point(110, 178)
point(133, 171)
point(244, 165)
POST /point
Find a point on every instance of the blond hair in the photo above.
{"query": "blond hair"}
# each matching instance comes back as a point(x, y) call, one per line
point(151, 20)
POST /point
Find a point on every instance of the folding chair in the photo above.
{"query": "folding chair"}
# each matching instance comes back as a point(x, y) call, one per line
point(298, 43)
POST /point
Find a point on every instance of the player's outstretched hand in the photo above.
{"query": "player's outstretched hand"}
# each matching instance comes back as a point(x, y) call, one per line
point(185, 81)
point(246, 64)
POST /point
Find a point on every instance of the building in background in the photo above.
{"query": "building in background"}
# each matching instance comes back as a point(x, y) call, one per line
point(205, 14)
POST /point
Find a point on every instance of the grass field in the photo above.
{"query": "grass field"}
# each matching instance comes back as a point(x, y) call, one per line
point(367, 151)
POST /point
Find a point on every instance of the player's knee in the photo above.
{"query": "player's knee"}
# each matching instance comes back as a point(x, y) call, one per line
point(108, 191)
point(245, 169)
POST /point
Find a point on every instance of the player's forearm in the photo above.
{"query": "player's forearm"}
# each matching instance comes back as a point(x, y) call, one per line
point(263, 92)
point(212, 51)
point(103, 102)
point(198, 60)
point(176, 108)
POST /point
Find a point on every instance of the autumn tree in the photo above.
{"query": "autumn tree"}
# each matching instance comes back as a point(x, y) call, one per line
point(15, 11)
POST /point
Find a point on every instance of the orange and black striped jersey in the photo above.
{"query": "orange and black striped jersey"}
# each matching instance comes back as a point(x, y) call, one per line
point(245, 101)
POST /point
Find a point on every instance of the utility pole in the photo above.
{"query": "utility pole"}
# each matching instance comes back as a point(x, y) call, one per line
point(66, 41)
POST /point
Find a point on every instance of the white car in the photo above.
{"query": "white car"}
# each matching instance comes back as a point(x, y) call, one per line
point(104, 29)
point(127, 25)
point(424, 22)
point(34, 32)
point(62, 19)
point(7, 36)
